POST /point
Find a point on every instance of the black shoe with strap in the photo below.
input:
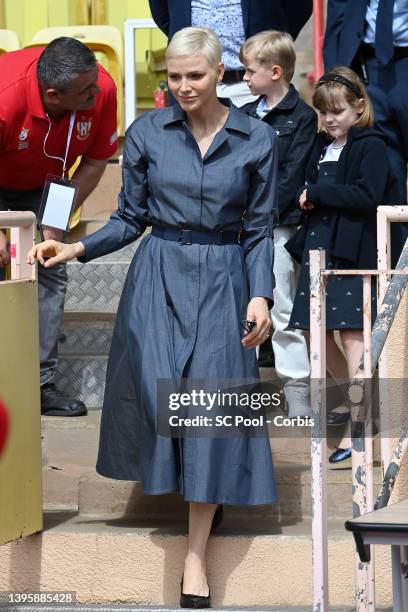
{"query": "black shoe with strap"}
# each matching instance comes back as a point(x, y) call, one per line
point(56, 403)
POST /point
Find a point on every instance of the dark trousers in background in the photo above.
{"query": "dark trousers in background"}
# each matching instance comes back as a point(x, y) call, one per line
point(388, 90)
point(52, 284)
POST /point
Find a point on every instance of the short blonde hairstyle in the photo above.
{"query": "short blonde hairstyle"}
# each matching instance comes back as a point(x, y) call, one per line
point(272, 47)
point(196, 41)
point(329, 94)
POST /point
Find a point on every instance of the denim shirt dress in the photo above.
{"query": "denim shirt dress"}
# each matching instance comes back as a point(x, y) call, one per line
point(182, 304)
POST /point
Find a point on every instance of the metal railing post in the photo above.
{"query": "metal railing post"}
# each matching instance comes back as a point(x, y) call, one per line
point(319, 442)
point(360, 393)
point(362, 459)
point(384, 263)
point(131, 26)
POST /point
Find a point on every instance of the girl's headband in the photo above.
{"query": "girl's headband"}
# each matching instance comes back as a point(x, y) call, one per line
point(342, 80)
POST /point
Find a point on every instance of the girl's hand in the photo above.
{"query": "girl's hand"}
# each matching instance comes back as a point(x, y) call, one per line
point(257, 311)
point(56, 251)
point(303, 203)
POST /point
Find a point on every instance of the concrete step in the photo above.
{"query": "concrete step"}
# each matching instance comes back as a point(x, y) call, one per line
point(71, 449)
point(99, 495)
point(70, 480)
point(110, 559)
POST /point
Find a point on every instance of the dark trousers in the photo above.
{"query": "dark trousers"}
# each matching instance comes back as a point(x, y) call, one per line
point(388, 90)
point(52, 284)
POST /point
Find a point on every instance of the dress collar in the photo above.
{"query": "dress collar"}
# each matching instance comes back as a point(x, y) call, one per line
point(236, 121)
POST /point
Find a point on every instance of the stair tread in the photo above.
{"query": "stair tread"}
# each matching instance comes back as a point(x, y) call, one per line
point(110, 524)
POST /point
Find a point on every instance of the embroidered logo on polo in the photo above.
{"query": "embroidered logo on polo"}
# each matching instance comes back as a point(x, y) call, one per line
point(83, 128)
point(22, 138)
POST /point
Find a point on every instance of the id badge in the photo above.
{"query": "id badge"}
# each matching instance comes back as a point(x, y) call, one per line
point(57, 202)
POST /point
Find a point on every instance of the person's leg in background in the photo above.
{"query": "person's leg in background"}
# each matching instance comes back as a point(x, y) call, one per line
point(52, 285)
point(388, 91)
point(289, 345)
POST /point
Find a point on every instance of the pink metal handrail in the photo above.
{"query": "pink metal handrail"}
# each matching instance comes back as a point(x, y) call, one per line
point(362, 456)
point(23, 227)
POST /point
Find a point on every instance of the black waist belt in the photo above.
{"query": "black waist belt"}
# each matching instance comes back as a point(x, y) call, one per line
point(368, 51)
point(232, 76)
point(188, 236)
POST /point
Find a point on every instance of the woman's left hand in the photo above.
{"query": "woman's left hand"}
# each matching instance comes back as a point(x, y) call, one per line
point(257, 311)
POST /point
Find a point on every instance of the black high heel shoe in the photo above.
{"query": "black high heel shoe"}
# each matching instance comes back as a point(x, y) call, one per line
point(218, 517)
point(193, 601)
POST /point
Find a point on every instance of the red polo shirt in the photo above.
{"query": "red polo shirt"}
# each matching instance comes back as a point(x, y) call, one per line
point(24, 125)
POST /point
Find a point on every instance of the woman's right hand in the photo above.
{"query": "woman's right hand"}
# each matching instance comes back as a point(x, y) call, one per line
point(57, 252)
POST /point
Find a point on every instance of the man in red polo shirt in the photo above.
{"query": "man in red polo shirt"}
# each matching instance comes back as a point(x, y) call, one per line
point(55, 104)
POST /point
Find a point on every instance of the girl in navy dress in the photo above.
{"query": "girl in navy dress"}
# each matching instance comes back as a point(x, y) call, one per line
point(348, 176)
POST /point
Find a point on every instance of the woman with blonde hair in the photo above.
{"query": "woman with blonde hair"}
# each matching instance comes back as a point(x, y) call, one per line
point(202, 175)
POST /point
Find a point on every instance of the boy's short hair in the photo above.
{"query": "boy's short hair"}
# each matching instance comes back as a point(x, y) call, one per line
point(272, 47)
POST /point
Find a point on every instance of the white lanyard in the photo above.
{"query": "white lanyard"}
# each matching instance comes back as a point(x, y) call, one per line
point(63, 159)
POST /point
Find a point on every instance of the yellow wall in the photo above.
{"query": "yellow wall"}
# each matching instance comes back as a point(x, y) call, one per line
point(25, 17)
point(20, 465)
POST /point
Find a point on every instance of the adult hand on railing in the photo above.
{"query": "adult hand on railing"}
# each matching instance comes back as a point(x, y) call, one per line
point(4, 250)
point(55, 252)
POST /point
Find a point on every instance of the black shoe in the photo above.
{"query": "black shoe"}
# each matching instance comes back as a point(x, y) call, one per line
point(339, 455)
point(218, 517)
point(56, 403)
point(194, 601)
point(338, 418)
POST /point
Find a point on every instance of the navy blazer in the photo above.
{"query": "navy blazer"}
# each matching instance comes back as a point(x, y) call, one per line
point(285, 15)
point(364, 181)
point(345, 27)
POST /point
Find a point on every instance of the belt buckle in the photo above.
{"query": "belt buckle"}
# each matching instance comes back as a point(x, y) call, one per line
point(181, 239)
point(220, 239)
